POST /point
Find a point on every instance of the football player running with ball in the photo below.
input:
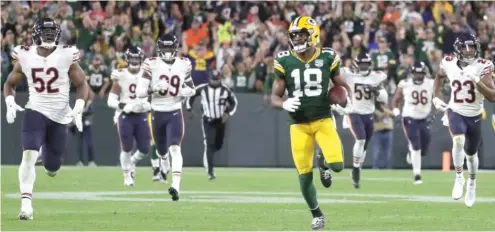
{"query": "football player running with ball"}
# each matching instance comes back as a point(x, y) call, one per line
point(49, 68)
point(471, 79)
point(306, 72)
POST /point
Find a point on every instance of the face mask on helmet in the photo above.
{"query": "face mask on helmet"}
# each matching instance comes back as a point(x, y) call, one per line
point(468, 52)
point(363, 68)
point(167, 50)
point(46, 36)
point(133, 61)
point(418, 77)
point(299, 40)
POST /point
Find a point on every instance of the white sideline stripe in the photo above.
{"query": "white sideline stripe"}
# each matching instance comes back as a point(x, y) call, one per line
point(240, 197)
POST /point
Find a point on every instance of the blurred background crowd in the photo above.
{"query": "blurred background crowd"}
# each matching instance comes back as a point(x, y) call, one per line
point(240, 38)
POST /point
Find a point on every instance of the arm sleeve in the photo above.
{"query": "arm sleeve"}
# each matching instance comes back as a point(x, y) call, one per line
point(147, 65)
point(335, 67)
point(188, 69)
point(232, 103)
point(113, 100)
point(115, 74)
point(142, 87)
point(279, 69)
point(76, 55)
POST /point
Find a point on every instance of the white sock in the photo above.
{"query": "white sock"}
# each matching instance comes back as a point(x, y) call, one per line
point(155, 163)
point(125, 161)
point(472, 164)
point(27, 175)
point(416, 161)
point(176, 155)
point(363, 157)
point(165, 163)
point(137, 157)
point(358, 153)
point(458, 153)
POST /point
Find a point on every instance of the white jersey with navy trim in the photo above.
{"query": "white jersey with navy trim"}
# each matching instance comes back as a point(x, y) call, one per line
point(48, 79)
point(176, 74)
point(363, 101)
point(417, 98)
point(465, 99)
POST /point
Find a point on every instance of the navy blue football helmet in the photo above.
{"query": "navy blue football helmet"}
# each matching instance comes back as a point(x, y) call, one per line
point(466, 48)
point(362, 64)
point(418, 71)
point(46, 33)
point(167, 46)
point(134, 57)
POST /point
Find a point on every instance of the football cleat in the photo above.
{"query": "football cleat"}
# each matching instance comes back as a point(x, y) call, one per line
point(325, 174)
point(458, 189)
point(163, 176)
point(318, 223)
point(470, 197)
point(51, 174)
point(129, 179)
point(356, 172)
point(174, 193)
point(417, 179)
point(156, 175)
point(26, 214)
point(211, 176)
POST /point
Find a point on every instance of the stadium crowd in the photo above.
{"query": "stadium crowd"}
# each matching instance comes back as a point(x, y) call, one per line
point(240, 38)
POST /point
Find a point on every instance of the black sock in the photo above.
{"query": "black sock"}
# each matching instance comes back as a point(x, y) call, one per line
point(209, 158)
point(316, 212)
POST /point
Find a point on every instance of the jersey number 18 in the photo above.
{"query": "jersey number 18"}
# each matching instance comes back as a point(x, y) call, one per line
point(312, 78)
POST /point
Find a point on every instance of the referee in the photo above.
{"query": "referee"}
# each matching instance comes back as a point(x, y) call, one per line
point(218, 103)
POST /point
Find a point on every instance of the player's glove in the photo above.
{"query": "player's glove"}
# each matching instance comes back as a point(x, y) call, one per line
point(76, 114)
point(160, 86)
point(396, 112)
point(146, 106)
point(291, 104)
point(129, 108)
point(12, 109)
point(339, 109)
point(439, 104)
point(187, 91)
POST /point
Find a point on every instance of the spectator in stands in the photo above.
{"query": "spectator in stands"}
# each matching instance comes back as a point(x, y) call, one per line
point(202, 61)
point(383, 137)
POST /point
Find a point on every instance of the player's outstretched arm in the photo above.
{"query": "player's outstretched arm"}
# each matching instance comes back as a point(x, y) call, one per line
point(113, 96)
point(439, 80)
point(278, 91)
point(143, 90)
point(398, 96)
point(78, 78)
point(487, 87)
point(12, 80)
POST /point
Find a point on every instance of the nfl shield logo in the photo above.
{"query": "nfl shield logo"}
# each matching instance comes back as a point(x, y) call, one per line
point(318, 63)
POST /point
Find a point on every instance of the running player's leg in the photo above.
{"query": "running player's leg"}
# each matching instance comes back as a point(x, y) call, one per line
point(32, 137)
point(54, 147)
point(358, 130)
point(302, 146)
point(175, 134)
point(473, 141)
point(369, 126)
point(152, 153)
point(88, 139)
point(458, 129)
point(412, 130)
point(142, 137)
point(125, 131)
point(329, 142)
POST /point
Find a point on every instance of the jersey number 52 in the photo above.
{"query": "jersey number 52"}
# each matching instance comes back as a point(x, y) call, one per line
point(312, 78)
point(53, 72)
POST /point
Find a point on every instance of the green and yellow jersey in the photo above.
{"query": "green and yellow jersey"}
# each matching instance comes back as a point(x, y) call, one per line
point(309, 81)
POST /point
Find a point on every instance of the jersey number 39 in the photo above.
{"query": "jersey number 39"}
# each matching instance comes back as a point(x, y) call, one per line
point(312, 78)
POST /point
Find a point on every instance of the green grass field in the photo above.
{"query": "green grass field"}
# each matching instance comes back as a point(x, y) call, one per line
point(243, 199)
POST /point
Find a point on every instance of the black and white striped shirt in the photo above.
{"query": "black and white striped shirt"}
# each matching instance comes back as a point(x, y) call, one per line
point(215, 101)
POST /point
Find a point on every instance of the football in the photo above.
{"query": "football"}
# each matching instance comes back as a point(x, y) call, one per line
point(338, 95)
